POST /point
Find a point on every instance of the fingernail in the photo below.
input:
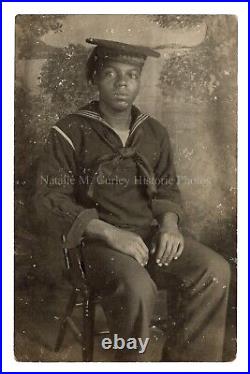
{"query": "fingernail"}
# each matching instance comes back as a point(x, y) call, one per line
point(166, 264)
point(175, 258)
point(160, 264)
point(158, 261)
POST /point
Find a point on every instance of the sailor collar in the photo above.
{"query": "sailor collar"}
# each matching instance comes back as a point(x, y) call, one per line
point(92, 111)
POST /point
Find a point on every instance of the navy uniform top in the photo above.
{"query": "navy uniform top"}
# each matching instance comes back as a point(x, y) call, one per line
point(87, 173)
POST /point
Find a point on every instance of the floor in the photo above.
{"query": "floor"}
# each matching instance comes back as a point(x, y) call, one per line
point(36, 330)
point(37, 323)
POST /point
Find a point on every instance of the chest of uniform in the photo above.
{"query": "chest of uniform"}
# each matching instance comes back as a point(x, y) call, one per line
point(100, 144)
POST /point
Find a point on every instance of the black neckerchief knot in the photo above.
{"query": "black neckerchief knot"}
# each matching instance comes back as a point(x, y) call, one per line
point(105, 166)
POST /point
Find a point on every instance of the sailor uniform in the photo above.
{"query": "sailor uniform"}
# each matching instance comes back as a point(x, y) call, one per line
point(130, 186)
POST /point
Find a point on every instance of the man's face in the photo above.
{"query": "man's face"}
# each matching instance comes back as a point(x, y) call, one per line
point(118, 84)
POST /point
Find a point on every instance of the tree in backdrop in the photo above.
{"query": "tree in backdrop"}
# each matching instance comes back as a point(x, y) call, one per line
point(206, 72)
point(29, 107)
point(31, 28)
point(62, 89)
point(63, 81)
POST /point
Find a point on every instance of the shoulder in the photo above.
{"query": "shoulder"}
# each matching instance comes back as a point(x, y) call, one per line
point(156, 129)
point(72, 124)
point(71, 128)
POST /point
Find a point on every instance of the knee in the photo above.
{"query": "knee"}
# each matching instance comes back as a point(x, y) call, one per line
point(219, 270)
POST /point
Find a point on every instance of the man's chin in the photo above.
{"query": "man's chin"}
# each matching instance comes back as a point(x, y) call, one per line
point(121, 105)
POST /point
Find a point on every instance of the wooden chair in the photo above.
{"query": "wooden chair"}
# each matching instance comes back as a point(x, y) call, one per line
point(82, 296)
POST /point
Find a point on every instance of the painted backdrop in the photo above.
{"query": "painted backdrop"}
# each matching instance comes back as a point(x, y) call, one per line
point(191, 90)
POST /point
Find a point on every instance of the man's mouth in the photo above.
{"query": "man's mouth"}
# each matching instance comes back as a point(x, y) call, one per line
point(121, 95)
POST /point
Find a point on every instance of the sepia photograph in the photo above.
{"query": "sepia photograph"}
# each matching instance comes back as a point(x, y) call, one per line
point(125, 147)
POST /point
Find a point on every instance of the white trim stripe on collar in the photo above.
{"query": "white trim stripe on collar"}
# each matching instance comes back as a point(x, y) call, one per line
point(64, 135)
point(86, 113)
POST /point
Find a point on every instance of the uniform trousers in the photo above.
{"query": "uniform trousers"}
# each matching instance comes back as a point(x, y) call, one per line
point(129, 293)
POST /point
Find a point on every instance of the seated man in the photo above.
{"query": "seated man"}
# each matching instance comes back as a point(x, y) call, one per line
point(117, 176)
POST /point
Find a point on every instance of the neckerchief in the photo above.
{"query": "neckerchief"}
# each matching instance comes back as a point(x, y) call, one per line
point(106, 164)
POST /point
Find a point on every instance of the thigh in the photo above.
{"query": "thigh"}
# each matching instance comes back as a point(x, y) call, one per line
point(196, 260)
point(105, 267)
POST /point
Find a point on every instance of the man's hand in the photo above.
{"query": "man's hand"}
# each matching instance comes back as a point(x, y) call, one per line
point(170, 243)
point(170, 246)
point(129, 243)
point(121, 240)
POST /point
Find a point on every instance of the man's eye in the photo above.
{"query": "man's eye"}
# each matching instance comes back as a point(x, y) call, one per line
point(134, 75)
point(109, 74)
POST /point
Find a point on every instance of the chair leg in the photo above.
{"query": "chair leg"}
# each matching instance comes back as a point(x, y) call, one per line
point(68, 312)
point(88, 326)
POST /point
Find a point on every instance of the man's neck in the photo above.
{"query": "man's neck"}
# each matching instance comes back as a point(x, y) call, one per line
point(119, 120)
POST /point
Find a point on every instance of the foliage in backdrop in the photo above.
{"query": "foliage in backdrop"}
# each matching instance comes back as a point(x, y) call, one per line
point(205, 72)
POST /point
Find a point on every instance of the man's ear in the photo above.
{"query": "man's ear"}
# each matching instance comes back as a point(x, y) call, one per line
point(95, 78)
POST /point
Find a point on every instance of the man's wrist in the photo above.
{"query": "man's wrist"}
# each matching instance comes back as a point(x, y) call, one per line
point(108, 232)
point(98, 229)
point(169, 221)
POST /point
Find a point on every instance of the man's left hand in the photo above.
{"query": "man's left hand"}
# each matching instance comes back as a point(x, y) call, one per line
point(170, 246)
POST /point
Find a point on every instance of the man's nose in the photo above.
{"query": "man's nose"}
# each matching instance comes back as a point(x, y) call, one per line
point(121, 81)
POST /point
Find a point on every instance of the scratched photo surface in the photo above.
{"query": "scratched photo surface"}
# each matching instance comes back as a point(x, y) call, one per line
point(191, 89)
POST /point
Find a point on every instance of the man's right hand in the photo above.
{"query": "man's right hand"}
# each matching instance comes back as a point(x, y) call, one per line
point(129, 243)
point(119, 239)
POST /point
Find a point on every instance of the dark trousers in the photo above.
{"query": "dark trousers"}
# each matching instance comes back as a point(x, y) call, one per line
point(129, 292)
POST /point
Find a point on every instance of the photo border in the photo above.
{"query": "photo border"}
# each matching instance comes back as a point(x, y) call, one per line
point(9, 10)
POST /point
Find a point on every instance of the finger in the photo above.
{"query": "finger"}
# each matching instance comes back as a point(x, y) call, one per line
point(145, 251)
point(138, 258)
point(143, 246)
point(153, 248)
point(180, 250)
point(173, 253)
point(161, 249)
point(136, 252)
point(168, 251)
point(139, 252)
point(153, 245)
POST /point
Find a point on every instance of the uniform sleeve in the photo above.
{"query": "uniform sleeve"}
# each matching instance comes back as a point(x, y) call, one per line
point(55, 198)
point(168, 197)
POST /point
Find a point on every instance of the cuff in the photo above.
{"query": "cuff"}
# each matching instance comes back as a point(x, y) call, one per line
point(75, 234)
point(162, 206)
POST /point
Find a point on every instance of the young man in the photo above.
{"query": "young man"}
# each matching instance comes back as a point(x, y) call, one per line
point(117, 176)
